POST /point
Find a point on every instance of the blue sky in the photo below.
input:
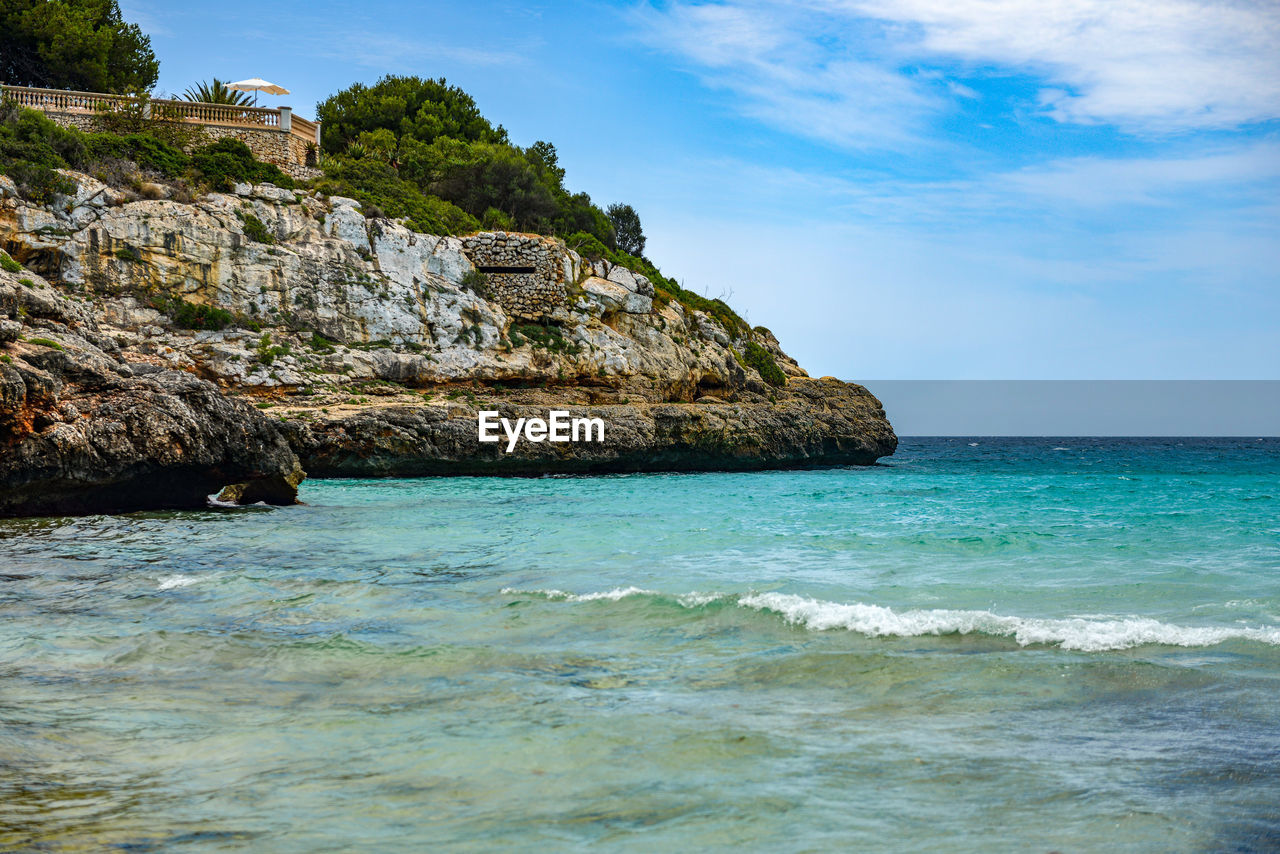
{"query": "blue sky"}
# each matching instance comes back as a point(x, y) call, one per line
point(922, 189)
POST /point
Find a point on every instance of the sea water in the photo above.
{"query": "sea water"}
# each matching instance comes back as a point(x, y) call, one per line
point(979, 645)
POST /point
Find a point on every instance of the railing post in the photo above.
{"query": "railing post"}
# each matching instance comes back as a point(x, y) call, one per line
point(286, 119)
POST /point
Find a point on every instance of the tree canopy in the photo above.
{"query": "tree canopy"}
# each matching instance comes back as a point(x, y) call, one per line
point(408, 107)
point(432, 136)
point(626, 228)
point(74, 44)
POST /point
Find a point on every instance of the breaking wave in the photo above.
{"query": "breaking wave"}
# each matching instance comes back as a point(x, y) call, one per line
point(1089, 633)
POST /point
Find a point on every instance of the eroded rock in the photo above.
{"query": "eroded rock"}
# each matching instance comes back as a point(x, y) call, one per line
point(82, 432)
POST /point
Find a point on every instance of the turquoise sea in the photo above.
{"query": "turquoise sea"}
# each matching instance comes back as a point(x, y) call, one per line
point(980, 645)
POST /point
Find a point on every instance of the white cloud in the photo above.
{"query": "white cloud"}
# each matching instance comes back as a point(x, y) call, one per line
point(862, 72)
point(787, 74)
point(1144, 65)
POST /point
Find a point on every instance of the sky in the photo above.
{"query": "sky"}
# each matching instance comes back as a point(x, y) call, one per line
point(911, 190)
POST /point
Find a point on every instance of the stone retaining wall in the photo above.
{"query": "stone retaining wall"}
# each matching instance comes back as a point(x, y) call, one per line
point(527, 294)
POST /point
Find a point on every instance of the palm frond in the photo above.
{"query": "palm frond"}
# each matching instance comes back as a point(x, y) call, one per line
point(216, 93)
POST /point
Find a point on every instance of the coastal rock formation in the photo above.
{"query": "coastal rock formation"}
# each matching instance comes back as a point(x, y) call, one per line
point(83, 430)
point(370, 347)
point(826, 422)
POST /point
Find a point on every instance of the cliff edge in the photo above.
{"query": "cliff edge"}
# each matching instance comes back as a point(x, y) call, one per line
point(219, 337)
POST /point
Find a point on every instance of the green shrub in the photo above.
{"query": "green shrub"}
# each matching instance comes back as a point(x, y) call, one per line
point(144, 150)
point(128, 253)
point(189, 315)
point(477, 283)
point(193, 316)
point(45, 342)
point(28, 136)
point(320, 343)
point(39, 184)
point(496, 220)
point(8, 264)
point(587, 245)
point(543, 337)
point(32, 147)
point(228, 162)
point(377, 185)
point(267, 352)
point(762, 360)
point(256, 230)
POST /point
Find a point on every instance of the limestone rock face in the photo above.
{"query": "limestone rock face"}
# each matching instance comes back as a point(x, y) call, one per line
point(84, 431)
point(847, 428)
point(270, 315)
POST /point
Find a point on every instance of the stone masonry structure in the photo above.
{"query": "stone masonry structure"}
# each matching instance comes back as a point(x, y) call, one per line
point(527, 274)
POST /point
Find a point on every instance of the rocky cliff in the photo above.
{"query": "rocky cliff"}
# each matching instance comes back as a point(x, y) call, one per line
point(214, 336)
point(85, 430)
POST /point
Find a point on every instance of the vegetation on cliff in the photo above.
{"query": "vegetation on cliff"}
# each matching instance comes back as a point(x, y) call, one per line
point(74, 44)
point(32, 147)
point(759, 358)
point(420, 149)
point(408, 142)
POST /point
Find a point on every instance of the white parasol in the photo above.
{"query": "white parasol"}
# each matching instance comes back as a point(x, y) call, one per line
point(256, 85)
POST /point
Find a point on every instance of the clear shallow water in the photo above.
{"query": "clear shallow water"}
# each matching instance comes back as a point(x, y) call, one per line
point(1010, 645)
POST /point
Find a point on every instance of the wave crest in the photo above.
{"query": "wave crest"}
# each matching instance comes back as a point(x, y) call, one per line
point(1093, 633)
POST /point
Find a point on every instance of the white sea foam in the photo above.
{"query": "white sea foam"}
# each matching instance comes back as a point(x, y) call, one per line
point(697, 600)
point(1088, 633)
point(561, 595)
point(174, 581)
